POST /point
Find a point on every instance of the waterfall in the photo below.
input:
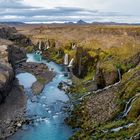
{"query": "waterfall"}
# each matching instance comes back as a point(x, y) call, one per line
point(119, 74)
point(66, 59)
point(39, 47)
point(73, 46)
point(127, 107)
point(47, 44)
point(71, 62)
point(93, 78)
point(121, 127)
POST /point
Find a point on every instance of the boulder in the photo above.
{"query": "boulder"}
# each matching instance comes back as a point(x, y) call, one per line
point(105, 77)
point(37, 87)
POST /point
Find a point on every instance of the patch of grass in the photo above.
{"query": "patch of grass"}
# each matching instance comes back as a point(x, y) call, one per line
point(42, 80)
point(77, 90)
point(107, 66)
point(29, 49)
point(135, 110)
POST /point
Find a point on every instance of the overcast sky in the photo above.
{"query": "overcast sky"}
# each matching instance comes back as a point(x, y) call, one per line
point(127, 11)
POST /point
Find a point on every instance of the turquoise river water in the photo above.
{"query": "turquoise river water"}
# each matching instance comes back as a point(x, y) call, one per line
point(46, 109)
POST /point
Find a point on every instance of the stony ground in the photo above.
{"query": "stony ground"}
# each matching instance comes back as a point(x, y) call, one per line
point(12, 111)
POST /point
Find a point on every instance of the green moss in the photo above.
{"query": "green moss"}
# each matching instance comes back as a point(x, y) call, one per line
point(107, 66)
point(42, 80)
point(135, 110)
point(29, 49)
point(129, 74)
point(89, 76)
point(77, 90)
point(112, 124)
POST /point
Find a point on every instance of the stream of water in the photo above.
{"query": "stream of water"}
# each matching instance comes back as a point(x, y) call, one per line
point(46, 109)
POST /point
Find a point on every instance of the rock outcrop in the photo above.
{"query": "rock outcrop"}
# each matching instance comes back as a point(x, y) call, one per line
point(10, 33)
point(105, 78)
point(6, 72)
point(9, 55)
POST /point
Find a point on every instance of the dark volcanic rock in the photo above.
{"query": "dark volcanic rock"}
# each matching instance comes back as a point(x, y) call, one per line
point(12, 111)
point(104, 77)
point(5, 32)
point(12, 97)
point(10, 33)
point(16, 54)
point(6, 73)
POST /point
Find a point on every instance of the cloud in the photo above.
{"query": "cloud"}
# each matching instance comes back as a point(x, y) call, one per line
point(58, 11)
point(17, 10)
point(12, 4)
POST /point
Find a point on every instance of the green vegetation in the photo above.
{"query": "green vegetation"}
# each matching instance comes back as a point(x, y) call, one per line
point(41, 80)
point(29, 49)
point(135, 111)
point(100, 51)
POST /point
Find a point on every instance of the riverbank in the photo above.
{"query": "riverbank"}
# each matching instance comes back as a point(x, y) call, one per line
point(13, 99)
point(12, 111)
point(106, 76)
point(46, 110)
point(104, 62)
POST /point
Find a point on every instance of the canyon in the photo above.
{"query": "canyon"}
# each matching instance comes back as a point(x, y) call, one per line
point(101, 62)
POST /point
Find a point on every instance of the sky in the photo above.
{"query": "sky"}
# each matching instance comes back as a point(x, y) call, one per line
point(48, 11)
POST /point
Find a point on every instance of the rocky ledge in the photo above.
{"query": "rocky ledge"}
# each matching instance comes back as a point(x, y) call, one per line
point(40, 71)
point(12, 98)
point(6, 73)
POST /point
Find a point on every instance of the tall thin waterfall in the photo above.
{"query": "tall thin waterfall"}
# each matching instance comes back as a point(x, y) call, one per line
point(39, 47)
point(128, 107)
point(119, 74)
point(47, 44)
point(71, 62)
point(73, 46)
point(66, 59)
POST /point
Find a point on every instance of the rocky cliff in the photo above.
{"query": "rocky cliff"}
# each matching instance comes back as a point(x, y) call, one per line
point(10, 54)
point(10, 33)
point(105, 93)
point(6, 72)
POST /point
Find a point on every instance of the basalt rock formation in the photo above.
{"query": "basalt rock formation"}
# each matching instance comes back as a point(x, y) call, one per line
point(9, 55)
point(10, 33)
point(6, 72)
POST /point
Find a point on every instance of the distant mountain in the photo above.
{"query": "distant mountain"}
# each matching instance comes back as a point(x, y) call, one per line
point(12, 23)
point(113, 23)
point(81, 22)
point(69, 23)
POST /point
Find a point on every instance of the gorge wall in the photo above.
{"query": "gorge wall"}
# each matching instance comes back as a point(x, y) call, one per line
point(6, 72)
point(9, 55)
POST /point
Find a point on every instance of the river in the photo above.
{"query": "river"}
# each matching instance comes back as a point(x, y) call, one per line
point(46, 109)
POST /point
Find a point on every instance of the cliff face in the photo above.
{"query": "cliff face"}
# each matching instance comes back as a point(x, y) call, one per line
point(6, 72)
point(10, 33)
point(9, 55)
